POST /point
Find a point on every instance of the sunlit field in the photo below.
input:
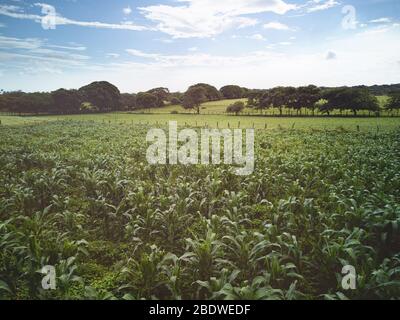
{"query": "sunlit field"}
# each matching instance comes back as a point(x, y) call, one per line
point(217, 121)
point(82, 197)
point(194, 157)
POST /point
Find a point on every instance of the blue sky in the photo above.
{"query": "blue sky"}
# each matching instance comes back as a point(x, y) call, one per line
point(138, 45)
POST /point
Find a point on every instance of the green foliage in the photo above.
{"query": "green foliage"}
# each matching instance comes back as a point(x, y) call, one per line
point(103, 95)
point(232, 92)
point(194, 97)
point(349, 99)
point(236, 107)
point(147, 100)
point(394, 101)
point(318, 200)
point(211, 93)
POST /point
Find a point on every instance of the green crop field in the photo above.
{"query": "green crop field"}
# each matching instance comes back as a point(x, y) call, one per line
point(77, 192)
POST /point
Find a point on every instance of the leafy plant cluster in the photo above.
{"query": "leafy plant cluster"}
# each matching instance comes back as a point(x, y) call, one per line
point(84, 199)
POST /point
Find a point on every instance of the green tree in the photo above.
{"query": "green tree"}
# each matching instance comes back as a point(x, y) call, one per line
point(393, 102)
point(162, 95)
point(146, 100)
point(66, 101)
point(211, 93)
point(307, 97)
point(254, 98)
point(236, 108)
point(279, 97)
point(232, 92)
point(103, 95)
point(128, 101)
point(353, 99)
point(193, 98)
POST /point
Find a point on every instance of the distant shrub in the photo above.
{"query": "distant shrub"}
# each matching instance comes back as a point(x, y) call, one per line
point(236, 107)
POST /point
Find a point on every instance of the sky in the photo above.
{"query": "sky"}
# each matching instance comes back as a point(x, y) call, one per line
point(139, 45)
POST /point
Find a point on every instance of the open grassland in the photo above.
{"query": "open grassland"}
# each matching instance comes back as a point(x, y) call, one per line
point(220, 121)
point(213, 107)
point(219, 107)
point(82, 197)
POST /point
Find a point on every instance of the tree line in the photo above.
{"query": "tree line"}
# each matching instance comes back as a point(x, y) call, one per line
point(100, 97)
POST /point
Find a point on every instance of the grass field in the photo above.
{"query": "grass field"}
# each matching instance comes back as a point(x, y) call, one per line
point(221, 121)
point(213, 107)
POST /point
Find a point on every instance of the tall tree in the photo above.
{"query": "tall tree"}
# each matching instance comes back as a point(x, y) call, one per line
point(393, 102)
point(128, 101)
point(307, 97)
point(194, 97)
point(353, 99)
point(232, 92)
point(146, 100)
point(103, 95)
point(162, 95)
point(66, 101)
point(211, 93)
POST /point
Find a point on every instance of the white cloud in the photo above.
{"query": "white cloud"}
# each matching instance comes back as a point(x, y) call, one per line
point(381, 20)
point(74, 48)
point(193, 49)
point(208, 18)
point(364, 59)
point(141, 54)
point(19, 13)
point(276, 26)
point(319, 5)
point(37, 56)
point(127, 11)
point(380, 29)
point(258, 37)
point(17, 43)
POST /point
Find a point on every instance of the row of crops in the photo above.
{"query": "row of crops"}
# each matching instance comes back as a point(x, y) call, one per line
point(82, 198)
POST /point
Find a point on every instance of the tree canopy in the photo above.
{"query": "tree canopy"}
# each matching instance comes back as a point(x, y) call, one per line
point(194, 97)
point(103, 95)
point(232, 92)
point(211, 93)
